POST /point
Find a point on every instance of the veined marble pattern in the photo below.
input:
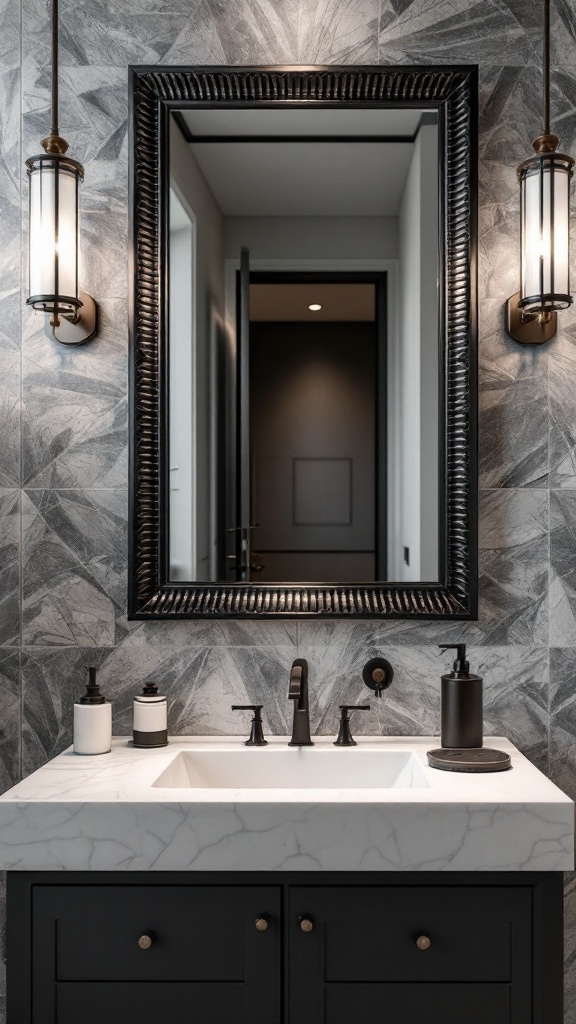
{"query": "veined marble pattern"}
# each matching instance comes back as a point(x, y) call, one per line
point(513, 416)
point(214, 32)
point(74, 427)
point(124, 811)
point(513, 542)
point(453, 31)
point(563, 718)
point(10, 298)
point(220, 633)
point(9, 566)
point(74, 416)
point(563, 568)
point(74, 567)
point(562, 366)
point(9, 717)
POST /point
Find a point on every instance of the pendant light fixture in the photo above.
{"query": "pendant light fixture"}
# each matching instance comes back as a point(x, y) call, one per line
point(544, 230)
point(53, 231)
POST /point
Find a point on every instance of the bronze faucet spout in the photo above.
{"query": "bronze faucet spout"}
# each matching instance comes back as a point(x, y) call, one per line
point(298, 692)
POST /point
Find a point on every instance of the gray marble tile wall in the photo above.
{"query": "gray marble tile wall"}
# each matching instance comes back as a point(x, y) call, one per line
point(63, 414)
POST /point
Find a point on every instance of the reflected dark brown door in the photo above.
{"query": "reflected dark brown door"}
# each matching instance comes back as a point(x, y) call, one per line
point(312, 444)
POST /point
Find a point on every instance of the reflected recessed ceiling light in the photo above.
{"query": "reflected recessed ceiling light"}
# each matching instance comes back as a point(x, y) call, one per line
point(314, 306)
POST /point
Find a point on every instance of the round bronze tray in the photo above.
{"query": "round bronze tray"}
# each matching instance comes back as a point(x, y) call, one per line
point(469, 759)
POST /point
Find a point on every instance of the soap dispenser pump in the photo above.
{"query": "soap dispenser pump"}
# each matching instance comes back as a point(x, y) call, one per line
point(92, 720)
point(462, 715)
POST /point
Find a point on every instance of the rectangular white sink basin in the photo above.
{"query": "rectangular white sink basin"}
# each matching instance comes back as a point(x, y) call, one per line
point(317, 767)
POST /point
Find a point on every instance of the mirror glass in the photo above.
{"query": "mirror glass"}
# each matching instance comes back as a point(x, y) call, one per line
point(304, 348)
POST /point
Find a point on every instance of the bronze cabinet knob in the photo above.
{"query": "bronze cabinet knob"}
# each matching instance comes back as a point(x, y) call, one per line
point(146, 940)
point(306, 923)
point(423, 942)
point(262, 923)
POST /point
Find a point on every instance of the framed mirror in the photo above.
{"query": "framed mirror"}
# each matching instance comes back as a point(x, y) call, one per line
point(303, 342)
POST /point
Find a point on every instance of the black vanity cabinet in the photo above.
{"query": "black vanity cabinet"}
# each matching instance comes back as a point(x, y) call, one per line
point(284, 949)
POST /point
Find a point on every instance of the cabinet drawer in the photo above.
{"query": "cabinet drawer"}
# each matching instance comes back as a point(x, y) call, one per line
point(154, 1003)
point(370, 934)
point(198, 934)
point(206, 953)
point(410, 1004)
point(361, 956)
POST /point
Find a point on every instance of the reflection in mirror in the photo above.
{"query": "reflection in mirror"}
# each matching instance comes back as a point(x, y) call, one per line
point(304, 349)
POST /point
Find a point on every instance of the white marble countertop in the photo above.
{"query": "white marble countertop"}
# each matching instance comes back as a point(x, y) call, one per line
point(104, 813)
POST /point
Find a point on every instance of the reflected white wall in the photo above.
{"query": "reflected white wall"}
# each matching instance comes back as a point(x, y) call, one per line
point(182, 405)
point(413, 375)
point(344, 238)
point(206, 287)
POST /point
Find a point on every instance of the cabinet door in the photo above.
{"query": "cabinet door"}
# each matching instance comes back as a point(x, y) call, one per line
point(145, 953)
point(362, 956)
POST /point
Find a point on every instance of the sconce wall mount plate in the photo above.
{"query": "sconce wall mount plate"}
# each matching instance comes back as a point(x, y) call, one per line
point(528, 328)
point(77, 330)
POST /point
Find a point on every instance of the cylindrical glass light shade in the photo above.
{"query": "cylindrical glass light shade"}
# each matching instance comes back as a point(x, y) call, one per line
point(545, 232)
point(53, 282)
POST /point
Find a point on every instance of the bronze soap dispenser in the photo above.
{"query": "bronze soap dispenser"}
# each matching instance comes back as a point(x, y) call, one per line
point(462, 713)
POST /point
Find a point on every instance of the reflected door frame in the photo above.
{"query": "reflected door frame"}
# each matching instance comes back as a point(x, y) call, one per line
point(379, 280)
point(292, 267)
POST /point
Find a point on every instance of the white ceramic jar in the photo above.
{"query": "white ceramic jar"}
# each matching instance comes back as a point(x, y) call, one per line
point(150, 723)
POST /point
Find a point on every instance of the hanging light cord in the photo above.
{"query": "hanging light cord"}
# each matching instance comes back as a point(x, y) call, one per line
point(54, 116)
point(545, 67)
point(53, 144)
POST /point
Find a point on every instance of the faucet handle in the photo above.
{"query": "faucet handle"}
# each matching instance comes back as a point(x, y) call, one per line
point(344, 738)
point(378, 674)
point(256, 738)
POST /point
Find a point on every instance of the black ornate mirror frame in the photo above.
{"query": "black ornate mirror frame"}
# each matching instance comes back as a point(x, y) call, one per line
point(452, 91)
